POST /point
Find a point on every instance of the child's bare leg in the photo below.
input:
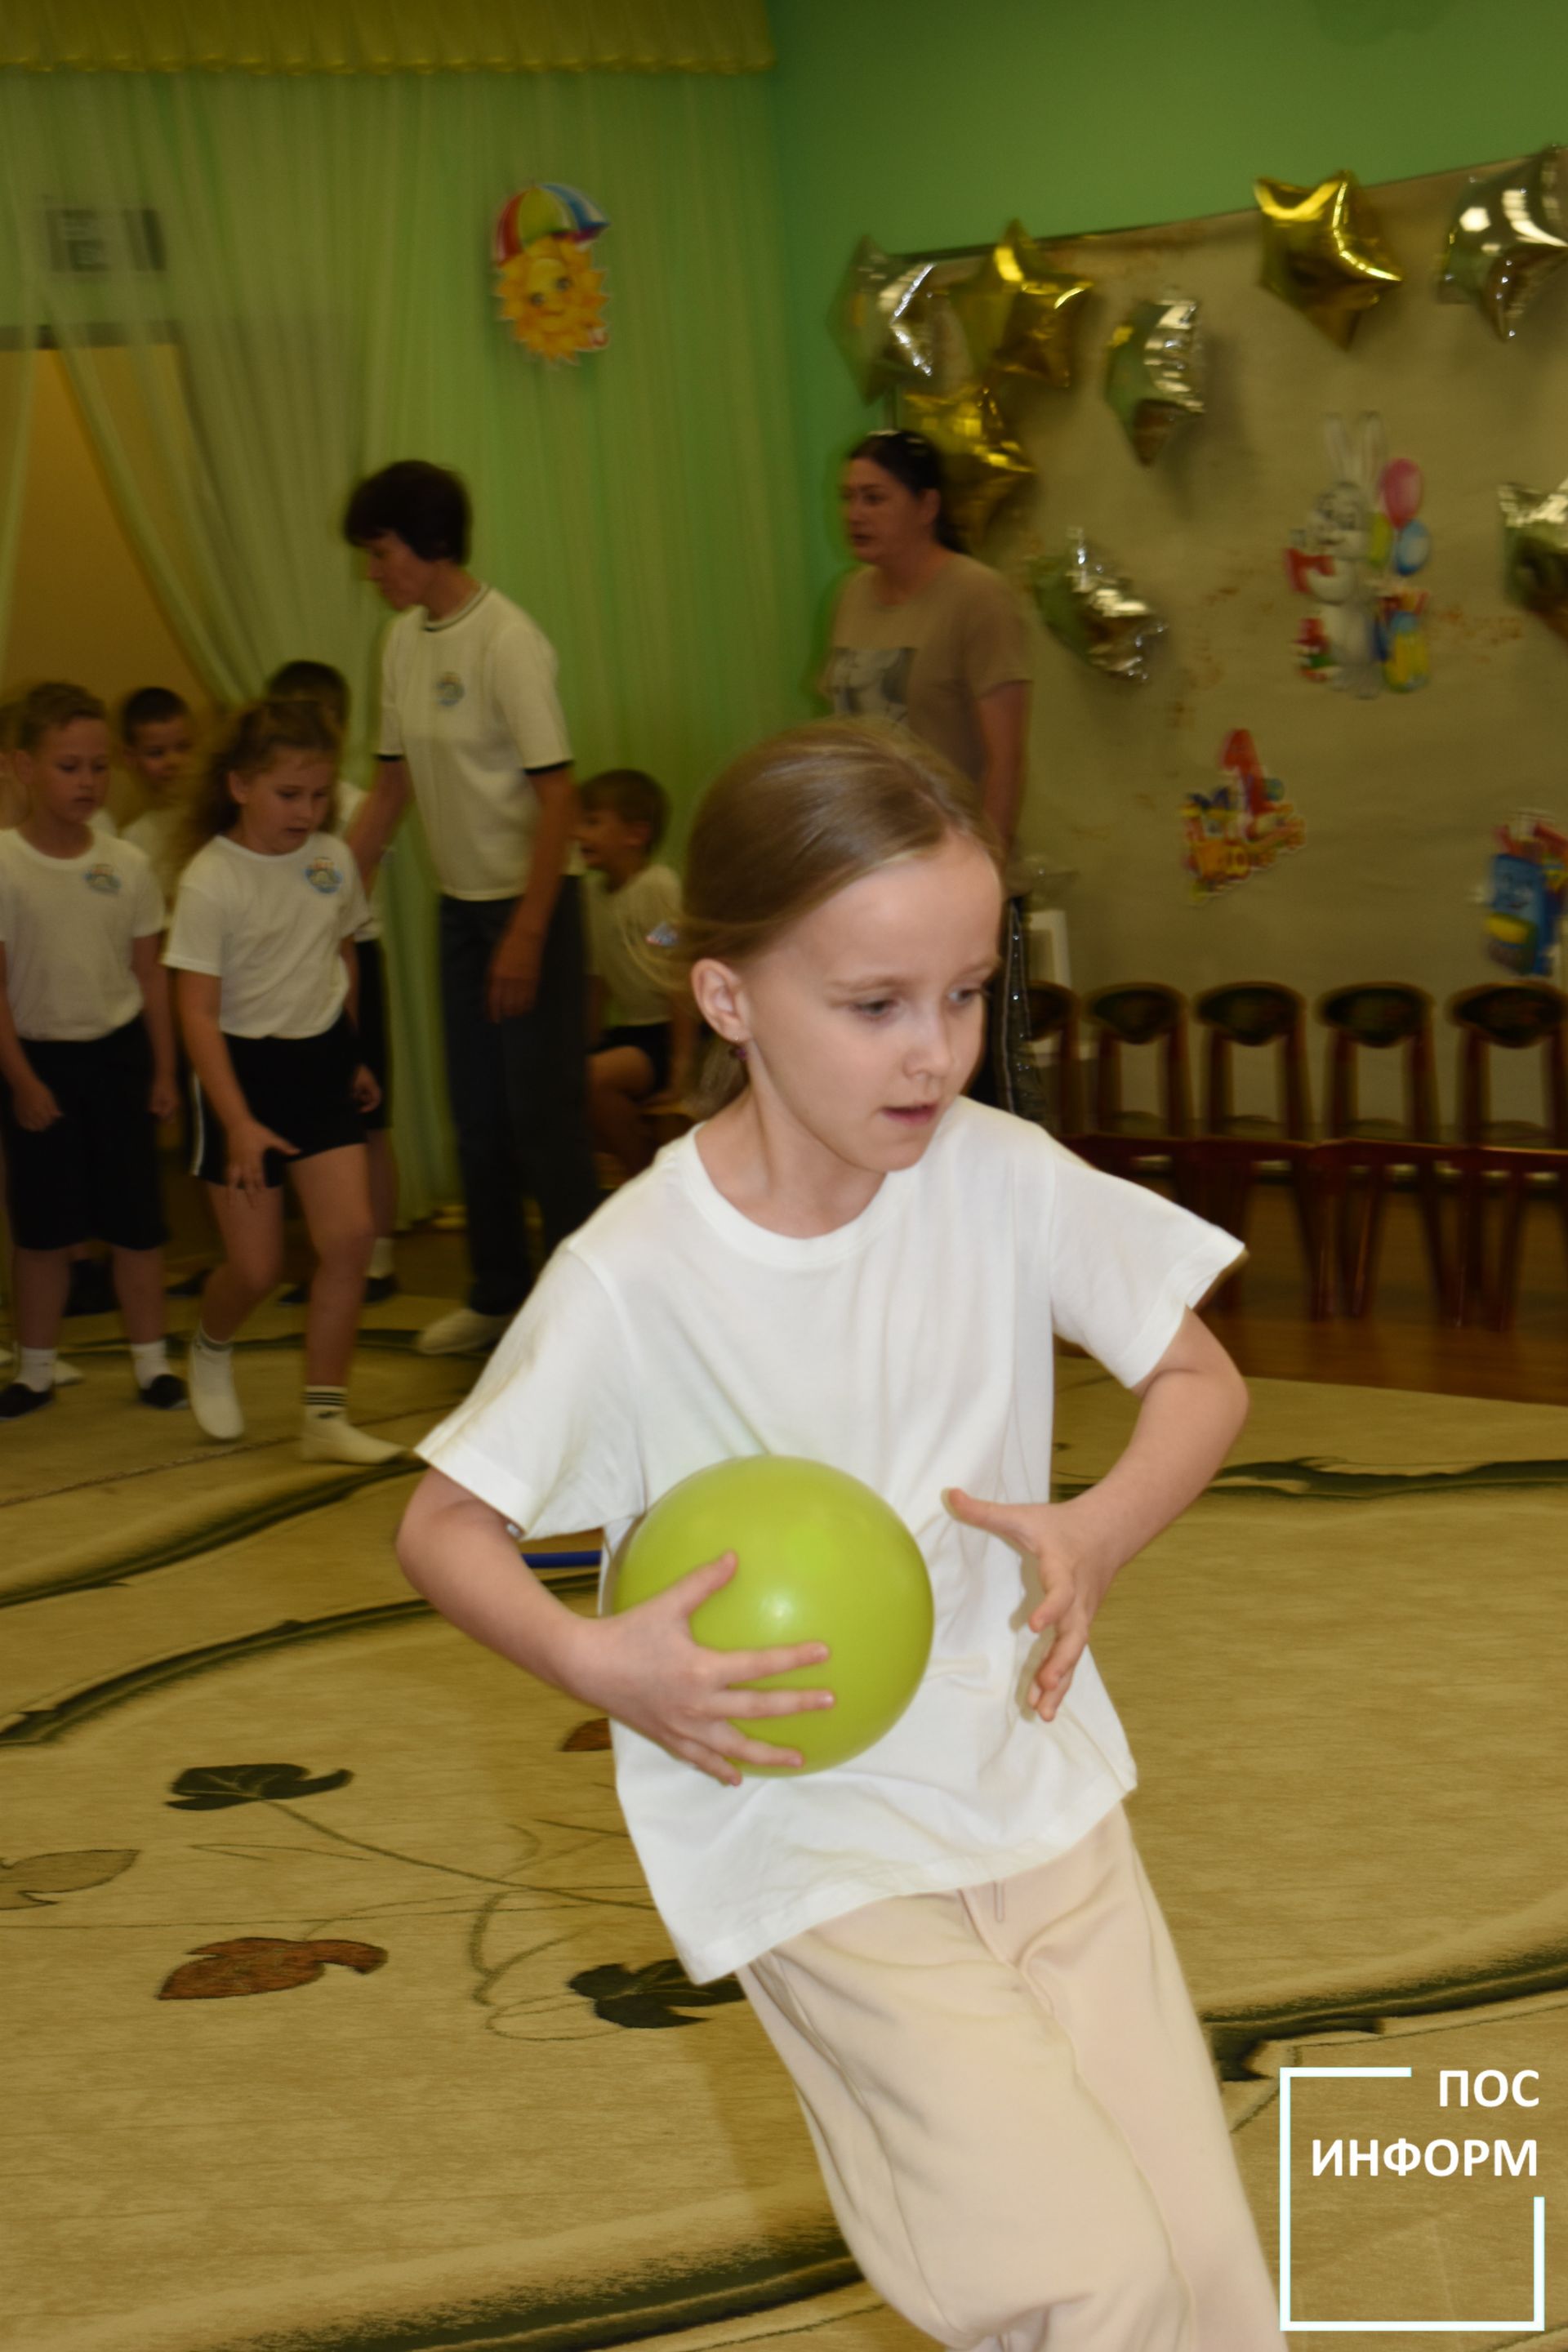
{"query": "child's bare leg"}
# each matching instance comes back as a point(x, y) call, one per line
point(251, 1225)
point(618, 1079)
point(43, 1279)
point(139, 1287)
point(334, 1192)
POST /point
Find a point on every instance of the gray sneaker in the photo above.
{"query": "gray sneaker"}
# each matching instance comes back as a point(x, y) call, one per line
point(464, 1332)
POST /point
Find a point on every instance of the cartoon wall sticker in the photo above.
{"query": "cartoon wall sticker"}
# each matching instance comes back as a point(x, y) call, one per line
point(1239, 828)
point(1362, 547)
point(1524, 896)
point(551, 294)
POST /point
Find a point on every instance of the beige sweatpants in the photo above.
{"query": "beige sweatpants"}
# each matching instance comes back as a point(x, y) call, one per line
point(1016, 2116)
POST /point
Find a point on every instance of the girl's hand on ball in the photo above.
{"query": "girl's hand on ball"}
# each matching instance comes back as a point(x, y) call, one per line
point(651, 1674)
point(1073, 1583)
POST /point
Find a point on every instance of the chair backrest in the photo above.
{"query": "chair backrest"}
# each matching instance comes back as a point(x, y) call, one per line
point(1247, 1013)
point(1380, 1015)
point(1053, 1013)
point(1513, 1015)
point(1140, 1013)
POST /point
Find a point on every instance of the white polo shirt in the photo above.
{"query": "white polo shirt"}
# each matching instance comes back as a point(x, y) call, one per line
point(470, 704)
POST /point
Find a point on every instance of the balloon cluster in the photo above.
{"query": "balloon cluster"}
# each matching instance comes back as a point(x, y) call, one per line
point(948, 345)
point(1322, 253)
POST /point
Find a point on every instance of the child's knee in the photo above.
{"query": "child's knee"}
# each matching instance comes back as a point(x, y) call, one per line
point(347, 1244)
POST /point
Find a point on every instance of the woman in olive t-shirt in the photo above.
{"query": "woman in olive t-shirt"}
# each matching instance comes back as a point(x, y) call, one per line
point(925, 636)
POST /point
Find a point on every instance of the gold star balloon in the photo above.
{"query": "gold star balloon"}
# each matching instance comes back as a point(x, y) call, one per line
point(1506, 241)
point(1153, 372)
point(881, 320)
point(1018, 313)
point(1321, 252)
point(981, 462)
point(1091, 608)
point(1535, 551)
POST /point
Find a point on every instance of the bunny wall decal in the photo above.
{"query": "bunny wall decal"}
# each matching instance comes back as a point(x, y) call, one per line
point(1362, 545)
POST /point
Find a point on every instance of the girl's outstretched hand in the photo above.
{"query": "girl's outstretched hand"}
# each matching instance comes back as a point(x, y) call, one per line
point(650, 1673)
point(1072, 1582)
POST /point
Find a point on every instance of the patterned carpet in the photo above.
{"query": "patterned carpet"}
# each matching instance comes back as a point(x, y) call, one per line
point(346, 2025)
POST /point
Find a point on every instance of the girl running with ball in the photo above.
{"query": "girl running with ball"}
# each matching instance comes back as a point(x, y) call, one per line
point(949, 1938)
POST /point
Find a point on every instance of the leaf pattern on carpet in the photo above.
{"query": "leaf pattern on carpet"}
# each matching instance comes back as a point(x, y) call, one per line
point(26, 1885)
point(213, 1788)
point(250, 1964)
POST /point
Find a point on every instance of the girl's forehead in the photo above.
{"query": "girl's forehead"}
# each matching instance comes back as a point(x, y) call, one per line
point(300, 768)
point(76, 737)
point(950, 889)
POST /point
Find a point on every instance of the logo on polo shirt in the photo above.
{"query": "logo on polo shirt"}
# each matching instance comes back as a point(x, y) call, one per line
point(102, 876)
point(449, 689)
point(323, 876)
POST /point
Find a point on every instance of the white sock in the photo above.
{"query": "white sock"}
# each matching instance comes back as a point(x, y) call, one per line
point(149, 1358)
point(35, 1368)
point(326, 1404)
point(380, 1255)
point(208, 1347)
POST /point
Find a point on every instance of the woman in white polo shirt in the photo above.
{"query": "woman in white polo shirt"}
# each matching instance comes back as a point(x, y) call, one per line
point(471, 729)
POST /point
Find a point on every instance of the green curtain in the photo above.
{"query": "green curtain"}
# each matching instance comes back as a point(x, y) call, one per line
point(263, 288)
point(387, 35)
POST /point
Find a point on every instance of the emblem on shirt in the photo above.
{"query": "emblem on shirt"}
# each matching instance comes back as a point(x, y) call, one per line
point(323, 876)
point(103, 877)
point(449, 689)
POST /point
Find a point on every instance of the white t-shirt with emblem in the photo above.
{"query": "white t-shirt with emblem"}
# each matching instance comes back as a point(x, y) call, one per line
point(272, 928)
point(912, 1347)
point(470, 704)
point(67, 925)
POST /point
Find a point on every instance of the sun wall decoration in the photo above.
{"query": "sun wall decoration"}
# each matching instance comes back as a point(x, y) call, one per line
point(548, 288)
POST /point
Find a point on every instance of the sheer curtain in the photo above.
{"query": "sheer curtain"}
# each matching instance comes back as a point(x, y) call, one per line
point(265, 286)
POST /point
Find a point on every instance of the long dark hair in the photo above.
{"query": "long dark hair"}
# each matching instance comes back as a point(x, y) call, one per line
point(913, 460)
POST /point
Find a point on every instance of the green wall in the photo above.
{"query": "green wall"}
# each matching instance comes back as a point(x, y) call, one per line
point(933, 125)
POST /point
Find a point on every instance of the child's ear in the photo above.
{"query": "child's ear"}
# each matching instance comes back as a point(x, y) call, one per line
point(238, 787)
point(22, 768)
point(717, 989)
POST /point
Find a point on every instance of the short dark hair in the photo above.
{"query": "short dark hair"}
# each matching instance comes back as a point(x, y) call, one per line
point(636, 798)
point(150, 706)
point(423, 505)
point(312, 681)
point(915, 462)
point(53, 704)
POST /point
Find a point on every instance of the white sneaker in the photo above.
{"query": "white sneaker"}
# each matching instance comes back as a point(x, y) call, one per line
point(464, 1332)
point(333, 1437)
point(213, 1400)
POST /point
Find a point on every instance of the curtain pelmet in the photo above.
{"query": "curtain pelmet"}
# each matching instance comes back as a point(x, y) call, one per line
point(386, 36)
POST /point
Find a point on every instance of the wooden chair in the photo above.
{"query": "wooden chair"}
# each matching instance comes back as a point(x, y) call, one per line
point(1139, 1014)
point(1053, 1021)
point(1509, 1016)
point(1249, 1016)
point(1379, 1016)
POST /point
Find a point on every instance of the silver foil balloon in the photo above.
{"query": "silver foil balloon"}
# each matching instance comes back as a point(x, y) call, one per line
point(1506, 240)
point(1535, 551)
point(882, 320)
point(1090, 608)
point(1153, 372)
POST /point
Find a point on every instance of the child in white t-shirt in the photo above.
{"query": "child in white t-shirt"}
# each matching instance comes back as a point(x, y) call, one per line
point(262, 940)
point(86, 1048)
point(318, 681)
point(949, 1938)
point(622, 816)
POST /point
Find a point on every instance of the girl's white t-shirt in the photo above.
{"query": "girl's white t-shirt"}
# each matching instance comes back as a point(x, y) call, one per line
point(272, 928)
point(470, 703)
point(67, 925)
point(913, 1347)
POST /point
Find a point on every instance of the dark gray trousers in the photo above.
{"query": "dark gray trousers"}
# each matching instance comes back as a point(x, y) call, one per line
point(517, 1089)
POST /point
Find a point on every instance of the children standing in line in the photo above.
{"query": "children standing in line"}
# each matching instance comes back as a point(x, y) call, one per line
point(262, 942)
point(156, 744)
point(87, 1054)
point(315, 681)
point(949, 1938)
point(621, 821)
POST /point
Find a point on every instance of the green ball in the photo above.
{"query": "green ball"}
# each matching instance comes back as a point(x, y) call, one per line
point(821, 1558)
